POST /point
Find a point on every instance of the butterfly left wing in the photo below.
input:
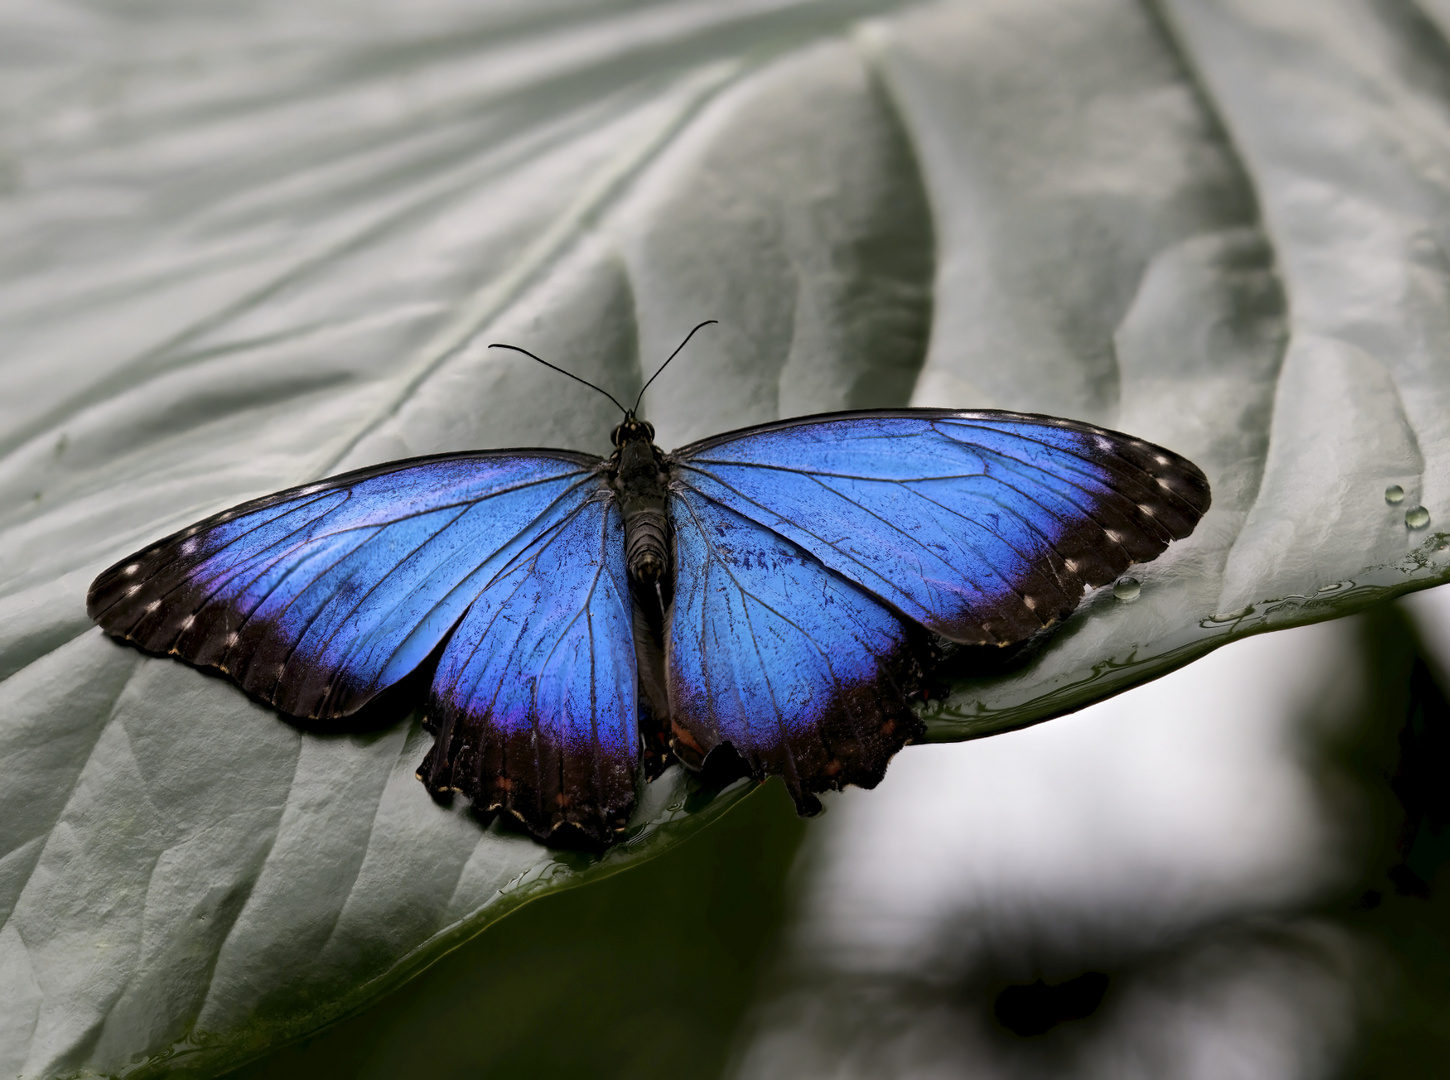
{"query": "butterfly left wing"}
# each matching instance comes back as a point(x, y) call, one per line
point(317, 598)
point(534, 703)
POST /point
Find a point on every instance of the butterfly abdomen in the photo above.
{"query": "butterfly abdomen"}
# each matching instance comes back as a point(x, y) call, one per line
point(639, 482)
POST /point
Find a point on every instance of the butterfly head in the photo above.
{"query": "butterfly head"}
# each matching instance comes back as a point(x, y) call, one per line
point(632, 429)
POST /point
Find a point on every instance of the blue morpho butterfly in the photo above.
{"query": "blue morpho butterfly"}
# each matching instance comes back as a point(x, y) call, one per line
point(773, 596)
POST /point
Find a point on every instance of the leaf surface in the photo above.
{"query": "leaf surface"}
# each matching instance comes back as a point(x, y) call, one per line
point(252, 245)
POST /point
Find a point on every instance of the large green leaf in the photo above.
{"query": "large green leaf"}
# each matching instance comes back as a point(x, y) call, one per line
point(250, 244)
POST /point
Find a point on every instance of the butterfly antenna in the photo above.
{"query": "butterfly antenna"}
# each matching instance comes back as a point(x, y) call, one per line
point(561, 371)
point(666, 364)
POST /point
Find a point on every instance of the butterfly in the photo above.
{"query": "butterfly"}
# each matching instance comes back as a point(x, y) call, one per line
point(771, 597)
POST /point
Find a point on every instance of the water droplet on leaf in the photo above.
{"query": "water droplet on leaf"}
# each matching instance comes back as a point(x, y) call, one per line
point(1127, 590)
point(1394, 494)
point(1417, 517)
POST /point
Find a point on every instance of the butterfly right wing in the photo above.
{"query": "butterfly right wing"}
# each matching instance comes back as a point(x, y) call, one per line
point(802, 672)
point(981, 526)
point(813, 554)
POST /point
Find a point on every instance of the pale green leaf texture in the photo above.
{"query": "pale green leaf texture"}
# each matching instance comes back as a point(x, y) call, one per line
point(250, 244)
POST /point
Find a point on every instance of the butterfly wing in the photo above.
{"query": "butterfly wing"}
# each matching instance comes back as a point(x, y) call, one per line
point(800, 671)
point(534, 702)
point(317, 598)
point(983, 527)
point(812, 554)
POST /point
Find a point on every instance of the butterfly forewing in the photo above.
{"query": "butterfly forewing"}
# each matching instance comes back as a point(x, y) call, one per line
point(983, 527)
point(317, 598)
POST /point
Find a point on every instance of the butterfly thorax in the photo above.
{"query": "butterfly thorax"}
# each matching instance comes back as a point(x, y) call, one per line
point(639, 480)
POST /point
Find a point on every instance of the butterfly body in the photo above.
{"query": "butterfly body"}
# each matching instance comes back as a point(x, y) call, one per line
point(638, 476)
point(772, 595)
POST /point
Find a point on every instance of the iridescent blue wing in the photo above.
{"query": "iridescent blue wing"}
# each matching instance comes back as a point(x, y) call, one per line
point(801, 672)
point(983, 527)
point(811, 554)
point(316, 598)
point(534, 702)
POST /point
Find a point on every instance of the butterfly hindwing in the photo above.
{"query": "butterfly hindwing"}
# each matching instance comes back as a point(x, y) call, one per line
point(983, 527)
point(317, 598)
point(534, 702)
point(801, 672)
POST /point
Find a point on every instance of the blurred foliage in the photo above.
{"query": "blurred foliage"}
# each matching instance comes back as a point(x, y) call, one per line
point(651, 971)
point(1400, 752)
point(642, 974)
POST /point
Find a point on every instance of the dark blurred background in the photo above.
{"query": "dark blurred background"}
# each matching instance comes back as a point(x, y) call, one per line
point(1237, 871)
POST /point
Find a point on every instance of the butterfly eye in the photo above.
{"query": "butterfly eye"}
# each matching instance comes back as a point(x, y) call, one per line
point(615, 436)
point(649, 431)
